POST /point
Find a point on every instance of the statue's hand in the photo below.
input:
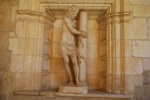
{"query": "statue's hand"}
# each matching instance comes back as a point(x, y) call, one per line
point(84, 34)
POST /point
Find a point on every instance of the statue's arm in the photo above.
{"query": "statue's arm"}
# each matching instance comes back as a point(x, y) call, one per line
point(70, 26)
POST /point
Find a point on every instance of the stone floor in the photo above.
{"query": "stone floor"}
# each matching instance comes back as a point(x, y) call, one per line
point(46, 95)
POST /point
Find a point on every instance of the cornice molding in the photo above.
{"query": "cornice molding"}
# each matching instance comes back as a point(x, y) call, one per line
point(28, 12)
point(122, 16)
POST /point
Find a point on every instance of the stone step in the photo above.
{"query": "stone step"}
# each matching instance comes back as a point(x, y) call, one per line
point(46, 95)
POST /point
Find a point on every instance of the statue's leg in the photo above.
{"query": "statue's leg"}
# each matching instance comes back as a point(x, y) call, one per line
point(66, 61)
point(76, 69)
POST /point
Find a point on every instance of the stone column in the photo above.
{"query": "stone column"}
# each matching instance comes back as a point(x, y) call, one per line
point(82, 47)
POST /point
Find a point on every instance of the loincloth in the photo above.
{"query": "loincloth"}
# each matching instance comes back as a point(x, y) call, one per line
point(68, 48)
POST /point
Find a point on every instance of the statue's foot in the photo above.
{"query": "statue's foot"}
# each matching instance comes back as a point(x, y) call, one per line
point(71, 83)
point(78, 83)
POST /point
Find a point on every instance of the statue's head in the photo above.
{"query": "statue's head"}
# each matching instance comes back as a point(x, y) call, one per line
point(72, 11)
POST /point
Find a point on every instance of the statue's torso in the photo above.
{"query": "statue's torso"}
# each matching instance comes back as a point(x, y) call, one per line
point(67, 35)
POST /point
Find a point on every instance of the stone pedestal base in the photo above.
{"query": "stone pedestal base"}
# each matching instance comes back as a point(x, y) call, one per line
point(72, 89)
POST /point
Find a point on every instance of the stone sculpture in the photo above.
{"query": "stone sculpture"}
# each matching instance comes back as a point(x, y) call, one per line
point(68, 47)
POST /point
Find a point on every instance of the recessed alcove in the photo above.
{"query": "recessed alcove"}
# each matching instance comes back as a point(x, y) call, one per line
point(40, 33)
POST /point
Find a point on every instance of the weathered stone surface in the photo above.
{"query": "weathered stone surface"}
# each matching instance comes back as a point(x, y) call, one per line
point(3, 97)
point(93, 51)
point(129, 84)
point(142, 92)
point(128, 48)
point(4, 60)
point(138, 28)
point(146, 64)
point(4, 36)
point(92, 66)
point(14, 45)
point(71, 89)
point(146, 75)
point(58, 79)
point(58, 23)
point(148, 28)
point(144, 10)
point(135, 1)
point(20, 31)
point(133, 66)
point(56, 50)
point(58, 65)
point(140, 2)
point(93, 36)
point(17, 63)
point(141, 48)
point(93, 81)
point(92, 25)
point(57, 35)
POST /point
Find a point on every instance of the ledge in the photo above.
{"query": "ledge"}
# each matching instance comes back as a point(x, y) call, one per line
point(90, 94)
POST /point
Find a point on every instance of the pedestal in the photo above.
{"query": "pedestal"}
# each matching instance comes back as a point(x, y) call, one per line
point(73, 89)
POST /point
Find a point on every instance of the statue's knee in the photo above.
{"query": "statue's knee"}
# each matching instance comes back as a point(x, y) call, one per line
point(66, 62)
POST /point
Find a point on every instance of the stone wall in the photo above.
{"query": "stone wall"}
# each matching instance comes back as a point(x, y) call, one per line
point(140, 38)
point(7, 26)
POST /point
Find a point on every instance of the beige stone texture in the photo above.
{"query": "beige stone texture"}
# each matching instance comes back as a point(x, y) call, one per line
point(138, 28)
point(92, 25)
point(128, 48)
point(103, 65)
point(117, 32)
point(58, 66)
point(140, 2)
point(93, 51)
point(28, 81)
point(58, 23)
point(92, 66)
point(40, 33)
point(58, 79)
point(93, 36)
point(39, 47)
point(17, 63)
point(29, 64)
point(133, 2)
point(131, 81)
point(141, 48)
point(22, 44)
point(102, 50)
point(31, 46)
point(73, 89)
point(37, 81)
point(46, 64)
point(32, 64)
point(146, 64)
point(50, 50)
point(129, 85)
point(51, 35)
point(14, 45)
point(56, 50)
point(45, 49)
point(102, 82)
point(144, 10)
point(93, 81)
point(20, 29)
point(57, 34)
point(18, 84)
point(31, 30)
point(45, 81)
point(12, 34)
point(148, 28)
point(46, 33)
point(133, 66)
point(126, 30)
